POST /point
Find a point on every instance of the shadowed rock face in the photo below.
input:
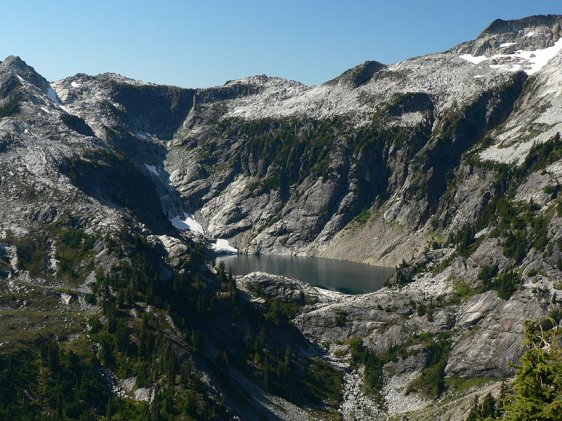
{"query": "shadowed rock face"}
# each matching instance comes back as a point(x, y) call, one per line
point(358, 75)
point(159, 110)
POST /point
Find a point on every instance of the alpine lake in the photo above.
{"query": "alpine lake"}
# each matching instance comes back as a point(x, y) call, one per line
point(336, 275)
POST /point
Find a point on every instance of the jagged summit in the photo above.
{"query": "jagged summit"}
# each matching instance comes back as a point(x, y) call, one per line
point(507, 36)
point(358, 75)
point(15, 66)
point(11, 60)
point(500, 26)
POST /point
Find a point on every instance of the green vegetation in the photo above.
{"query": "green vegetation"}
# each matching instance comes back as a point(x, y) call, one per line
point(280, 153)
point(488, 273)
point(11, 105)
point(324, 382)
point(487, 409)
point(536, 392)
point(271, 221)
point(463, 289)
point(362, 217)
point(32, 252)
point(285, 152)
point(341, 318)
point(461, 384)
point(505, 283)
point(279, 311)
point(540, 156)
point(74, 250)
point(47, 382)
point(74, 246)
point(373, 366)
point(432, 380)
point(405, 273)
point(522, 228)
point(521, 225)
point(133, 337)
point(138, 346)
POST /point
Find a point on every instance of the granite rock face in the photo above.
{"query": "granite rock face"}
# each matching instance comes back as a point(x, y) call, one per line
point(485, 331)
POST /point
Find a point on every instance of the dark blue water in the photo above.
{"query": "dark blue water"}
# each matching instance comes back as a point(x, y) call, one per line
point(336, 275)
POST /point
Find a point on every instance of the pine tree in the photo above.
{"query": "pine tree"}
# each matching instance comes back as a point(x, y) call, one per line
point(537, 390)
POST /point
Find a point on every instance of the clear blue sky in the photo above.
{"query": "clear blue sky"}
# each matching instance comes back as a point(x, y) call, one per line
point(199, 43)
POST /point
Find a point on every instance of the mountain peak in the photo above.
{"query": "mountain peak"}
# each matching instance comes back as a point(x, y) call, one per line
point(500, 26)
point(15, 64)
point(18, 67)
point(358, 75)
point(13, 59)
point(522, 44)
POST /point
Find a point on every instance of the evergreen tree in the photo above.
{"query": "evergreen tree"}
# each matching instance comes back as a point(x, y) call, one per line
point(537, 390)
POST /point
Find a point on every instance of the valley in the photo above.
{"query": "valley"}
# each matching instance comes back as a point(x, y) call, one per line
point(117, 195)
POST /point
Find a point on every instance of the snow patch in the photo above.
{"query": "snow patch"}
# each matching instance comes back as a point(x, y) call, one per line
point(174, 174)
point(473, 59)
point(507, 44)
point(152, 169)
point(223, 246)
point(52, 94)
point(187, 223)
point(529, 61)
point(75, 84)
point(539, 58)
point(530, 34)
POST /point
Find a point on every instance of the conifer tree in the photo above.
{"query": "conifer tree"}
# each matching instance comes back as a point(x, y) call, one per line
point(537, 390)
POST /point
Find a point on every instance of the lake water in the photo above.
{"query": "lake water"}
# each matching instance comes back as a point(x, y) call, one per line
point(337, 275)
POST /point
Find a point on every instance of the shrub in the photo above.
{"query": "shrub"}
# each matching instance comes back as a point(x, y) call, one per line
point(506, 284)
point(487, 273)
point(362, 217)
point(11, 105)
point(463, 289)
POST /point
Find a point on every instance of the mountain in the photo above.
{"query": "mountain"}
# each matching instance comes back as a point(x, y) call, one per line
point(116, 193)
